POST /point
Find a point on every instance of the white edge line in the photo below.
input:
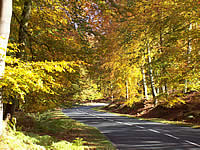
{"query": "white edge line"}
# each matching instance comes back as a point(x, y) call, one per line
point(119, 122)
point(192, 143)
point(128, 124)
point(140, 127)
point(172, 136)
point(154, 130)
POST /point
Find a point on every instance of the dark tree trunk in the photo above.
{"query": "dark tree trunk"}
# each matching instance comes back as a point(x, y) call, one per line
point(9, 108)
point(23, 26)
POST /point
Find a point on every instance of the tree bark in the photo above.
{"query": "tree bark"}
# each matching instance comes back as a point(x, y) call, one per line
point(189, 50)
point(145, 89)
point(144, 84)
point(9, 108)
point(22, 29)
point(5, 19)
point(151, 74)
point(158, 91)
point(127, 92)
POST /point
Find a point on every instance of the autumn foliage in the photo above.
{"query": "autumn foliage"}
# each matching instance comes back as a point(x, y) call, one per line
point(81, 50)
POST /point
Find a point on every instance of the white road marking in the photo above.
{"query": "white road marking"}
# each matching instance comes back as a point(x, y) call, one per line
point(192, 143)
point(169, 135)
point(172, 136)
point(128, 124)
point(99, 117)
point(140, 127)
point(119, 122)
point(154, 130)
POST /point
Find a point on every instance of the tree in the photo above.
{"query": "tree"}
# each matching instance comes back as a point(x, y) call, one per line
point(5, 19)
point(23, 27)
point(37, 86)
point(171, 53)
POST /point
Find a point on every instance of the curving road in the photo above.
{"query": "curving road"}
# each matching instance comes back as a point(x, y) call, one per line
point(133, 134)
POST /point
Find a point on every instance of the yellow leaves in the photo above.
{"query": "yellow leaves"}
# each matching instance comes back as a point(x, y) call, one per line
point(10, 60)
point(38, 28)
point(28, 78)
point(13, 47)
point(102, 2)
point(171, 101)
point(50, 22)
point(134, 99)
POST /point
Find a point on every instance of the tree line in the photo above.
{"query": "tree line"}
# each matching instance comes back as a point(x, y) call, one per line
point(62, 51)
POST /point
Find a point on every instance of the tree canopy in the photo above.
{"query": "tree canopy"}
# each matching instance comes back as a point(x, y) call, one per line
point(76, 50)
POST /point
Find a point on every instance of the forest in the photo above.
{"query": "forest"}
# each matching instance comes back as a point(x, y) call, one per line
point(62, 52)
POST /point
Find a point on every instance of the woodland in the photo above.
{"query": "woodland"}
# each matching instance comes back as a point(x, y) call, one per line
point(61, 52)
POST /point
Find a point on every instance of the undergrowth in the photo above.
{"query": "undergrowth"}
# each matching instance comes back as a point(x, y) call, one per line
point(52, 130)
point(16, 140)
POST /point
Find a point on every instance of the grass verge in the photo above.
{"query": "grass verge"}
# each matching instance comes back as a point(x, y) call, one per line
point(52, 130)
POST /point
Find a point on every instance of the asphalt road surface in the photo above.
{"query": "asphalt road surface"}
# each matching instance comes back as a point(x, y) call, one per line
point(133, 134)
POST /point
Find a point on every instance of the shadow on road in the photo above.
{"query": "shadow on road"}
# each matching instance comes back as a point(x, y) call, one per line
point(132, 134)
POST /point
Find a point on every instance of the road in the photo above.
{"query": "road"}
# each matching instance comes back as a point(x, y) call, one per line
point(133, 134)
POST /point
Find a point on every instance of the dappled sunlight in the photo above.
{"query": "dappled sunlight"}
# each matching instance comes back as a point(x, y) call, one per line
point(131, 133)
point(137, 57)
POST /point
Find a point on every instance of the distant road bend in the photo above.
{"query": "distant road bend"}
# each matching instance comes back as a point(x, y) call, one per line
point(133, 134)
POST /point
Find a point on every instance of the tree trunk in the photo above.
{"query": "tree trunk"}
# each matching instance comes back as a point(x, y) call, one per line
point(23, 26)
point(166, 89)
point(111, 88)
point(127, 92)
point(9, 108)
point(5, 19)
point(151, 74)
point(158, 91)
point(189, 50)
point(186, 86)
point(144, 84)
point(145, 89)
point(163, 89)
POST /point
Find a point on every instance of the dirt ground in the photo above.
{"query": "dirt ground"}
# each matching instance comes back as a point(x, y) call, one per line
point(188, 112)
